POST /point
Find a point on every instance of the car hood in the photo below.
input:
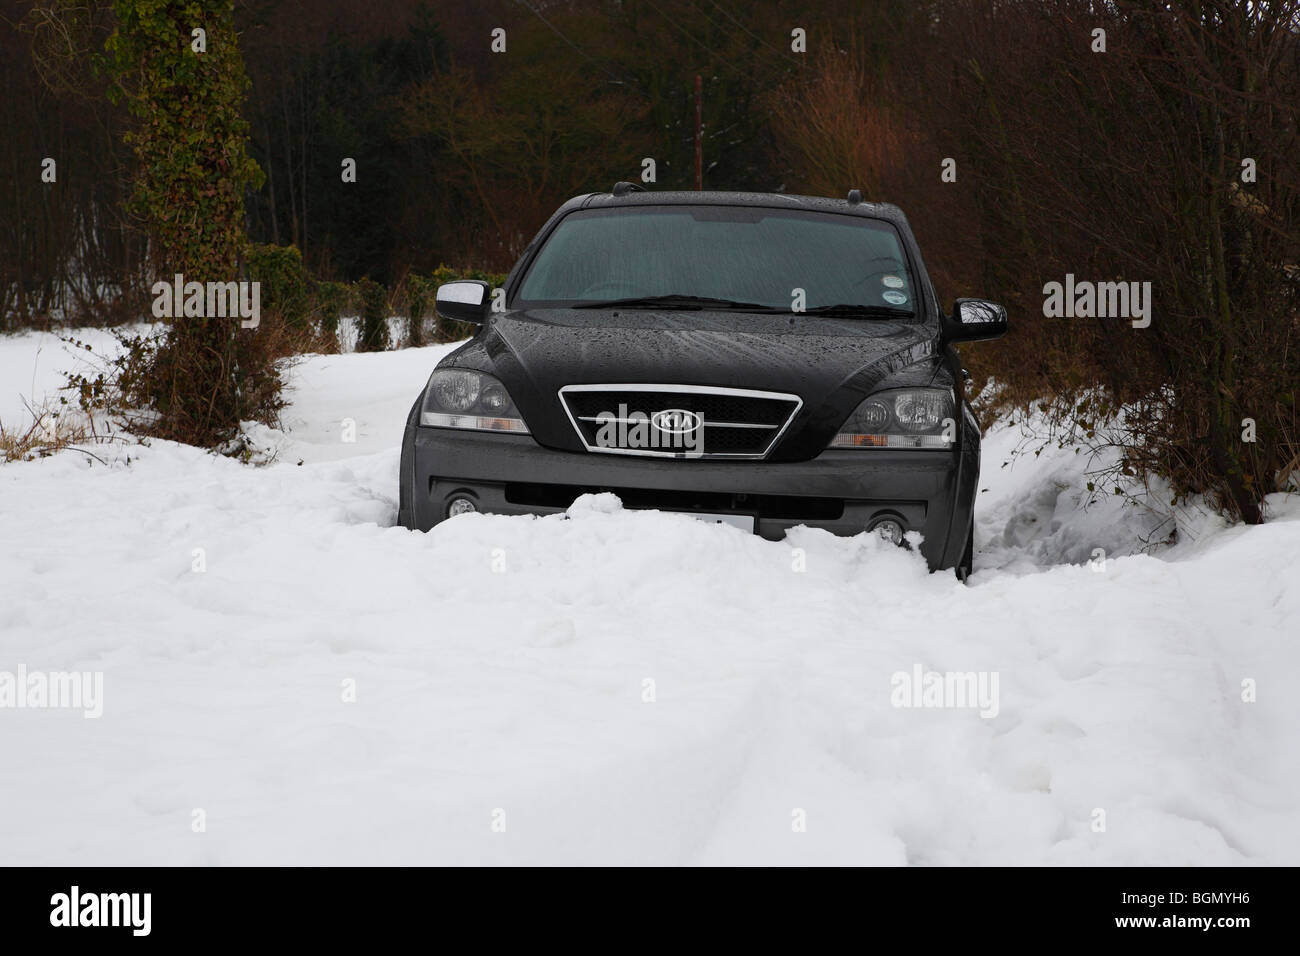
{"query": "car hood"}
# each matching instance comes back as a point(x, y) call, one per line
point(831, 363)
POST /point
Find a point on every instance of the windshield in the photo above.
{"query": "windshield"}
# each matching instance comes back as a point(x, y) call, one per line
point(738, 256)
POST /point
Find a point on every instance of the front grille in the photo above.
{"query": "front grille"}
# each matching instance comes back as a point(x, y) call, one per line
point(734, 422)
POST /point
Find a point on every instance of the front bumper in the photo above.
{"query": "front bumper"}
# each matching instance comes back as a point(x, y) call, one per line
point(841, 490)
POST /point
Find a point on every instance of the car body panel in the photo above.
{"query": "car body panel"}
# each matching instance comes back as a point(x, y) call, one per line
point(831, 363)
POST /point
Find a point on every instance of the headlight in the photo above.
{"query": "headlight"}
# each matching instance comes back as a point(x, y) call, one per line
point(463, 398)
point(901, 418)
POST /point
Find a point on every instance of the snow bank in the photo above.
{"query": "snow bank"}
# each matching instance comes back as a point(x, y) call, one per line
point(32, 367)
point(614, 686)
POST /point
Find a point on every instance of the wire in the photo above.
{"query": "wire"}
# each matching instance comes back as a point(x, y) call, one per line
point(573, 46)
point(768, 80)
point(724, 12)
point(700, 43)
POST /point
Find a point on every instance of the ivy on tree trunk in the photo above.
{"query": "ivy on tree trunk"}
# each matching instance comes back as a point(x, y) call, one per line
point(185, 89)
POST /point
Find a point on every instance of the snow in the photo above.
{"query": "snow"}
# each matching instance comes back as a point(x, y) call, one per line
point(503, 708)
point(32, 366)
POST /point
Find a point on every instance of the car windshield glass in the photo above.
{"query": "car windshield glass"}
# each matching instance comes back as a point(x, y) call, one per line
point(737, 255)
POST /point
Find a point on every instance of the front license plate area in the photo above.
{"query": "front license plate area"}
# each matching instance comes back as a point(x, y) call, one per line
point(743, 522)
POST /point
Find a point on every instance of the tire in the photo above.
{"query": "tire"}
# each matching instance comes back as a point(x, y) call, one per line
point(967, 562)
point(405, 488)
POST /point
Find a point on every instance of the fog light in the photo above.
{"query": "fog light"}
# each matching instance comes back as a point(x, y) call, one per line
point(460, 506)
point(890, 530)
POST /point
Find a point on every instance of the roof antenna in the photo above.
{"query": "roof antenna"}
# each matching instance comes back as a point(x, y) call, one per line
point(623, 188)
point(855, 196)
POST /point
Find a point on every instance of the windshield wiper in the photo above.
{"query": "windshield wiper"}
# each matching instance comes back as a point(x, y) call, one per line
point(675, 302)
point(855, 310)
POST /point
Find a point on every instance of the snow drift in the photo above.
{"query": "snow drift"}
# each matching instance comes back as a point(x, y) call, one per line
point(614, 686)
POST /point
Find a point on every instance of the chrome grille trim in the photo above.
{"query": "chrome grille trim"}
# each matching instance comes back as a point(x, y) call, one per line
point(795, 402)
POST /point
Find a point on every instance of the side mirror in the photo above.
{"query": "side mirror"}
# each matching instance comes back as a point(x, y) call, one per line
point(974, 320)
point(463, 301)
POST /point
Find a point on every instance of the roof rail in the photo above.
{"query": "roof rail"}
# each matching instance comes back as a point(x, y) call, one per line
point(855, 196)
point(623, 188)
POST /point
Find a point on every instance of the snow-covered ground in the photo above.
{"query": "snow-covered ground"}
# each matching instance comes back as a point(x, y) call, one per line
point(618, 687)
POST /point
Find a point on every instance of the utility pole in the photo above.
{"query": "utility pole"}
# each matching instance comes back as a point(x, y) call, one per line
point(699, 133)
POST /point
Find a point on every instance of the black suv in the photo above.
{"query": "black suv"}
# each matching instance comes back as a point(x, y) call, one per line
point(762, 360)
